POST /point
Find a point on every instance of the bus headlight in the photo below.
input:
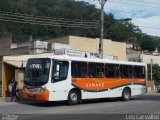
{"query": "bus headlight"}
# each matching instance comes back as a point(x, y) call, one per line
point(24, 88)
point(42, 89)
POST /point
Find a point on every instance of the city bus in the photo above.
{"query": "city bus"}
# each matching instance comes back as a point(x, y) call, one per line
point(73, 79)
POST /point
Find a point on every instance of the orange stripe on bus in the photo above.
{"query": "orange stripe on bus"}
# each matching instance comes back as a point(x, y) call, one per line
point(104, 83)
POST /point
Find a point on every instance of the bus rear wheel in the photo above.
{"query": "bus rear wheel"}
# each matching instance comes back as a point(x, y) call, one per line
point(73, 97)
point(126, 94)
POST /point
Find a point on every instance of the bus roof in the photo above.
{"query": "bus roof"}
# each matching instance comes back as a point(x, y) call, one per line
point(69, 58)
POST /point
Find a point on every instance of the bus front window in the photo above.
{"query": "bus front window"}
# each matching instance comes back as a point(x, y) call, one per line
point(37, 71)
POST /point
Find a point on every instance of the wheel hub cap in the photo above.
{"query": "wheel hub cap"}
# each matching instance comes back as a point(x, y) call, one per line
point(73, 97)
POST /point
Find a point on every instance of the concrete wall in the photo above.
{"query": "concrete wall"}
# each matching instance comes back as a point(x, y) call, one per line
point(111, 48)
point(5, 45)
point(1, 58)
point(20, 50)
point(84, 44)
point(132, 54)
point(8, 73)
point(115, 49)
point(150, 85)
point(5, 48)
point(63, 40)
point(147, 59)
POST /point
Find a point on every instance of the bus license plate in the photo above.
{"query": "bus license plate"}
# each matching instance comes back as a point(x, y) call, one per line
point(31, 95)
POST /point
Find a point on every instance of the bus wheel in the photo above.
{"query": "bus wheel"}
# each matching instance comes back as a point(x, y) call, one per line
point(73, 97)
point(126, 94)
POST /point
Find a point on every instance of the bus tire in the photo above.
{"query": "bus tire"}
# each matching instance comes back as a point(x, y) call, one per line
point(73, 97)
point(126, 94)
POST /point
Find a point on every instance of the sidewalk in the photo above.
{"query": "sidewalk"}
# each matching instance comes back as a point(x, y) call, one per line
point(3, 102)
point(2, 99)
point(7, 101)
point(152, 91)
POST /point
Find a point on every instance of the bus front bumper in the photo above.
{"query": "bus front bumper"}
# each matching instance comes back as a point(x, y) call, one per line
point(39, 96)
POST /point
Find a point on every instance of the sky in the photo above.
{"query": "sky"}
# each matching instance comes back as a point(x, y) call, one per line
point(144, 13)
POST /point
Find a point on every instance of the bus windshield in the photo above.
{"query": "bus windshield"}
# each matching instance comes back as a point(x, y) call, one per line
point(37, 71)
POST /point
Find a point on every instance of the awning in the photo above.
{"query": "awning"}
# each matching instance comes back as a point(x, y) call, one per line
point(17, 64)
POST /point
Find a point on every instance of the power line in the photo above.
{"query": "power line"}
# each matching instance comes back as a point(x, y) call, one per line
point(140, 26)
point(45, 23)
point(122, 11)
point(133, 4)
point(111, 11)
point(140, 2)
point(56, 24)
point(5, 16)
point(149, 27)
point(47, 19)
point(44, 17)
point(146, 2)
point(50, 22)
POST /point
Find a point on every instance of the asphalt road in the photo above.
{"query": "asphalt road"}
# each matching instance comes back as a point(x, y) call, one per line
point(92, 109)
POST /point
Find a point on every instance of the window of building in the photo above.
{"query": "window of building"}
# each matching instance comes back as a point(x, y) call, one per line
point(79, 69)
point(139, 72)
point(96, 70)
point(112, 70)
point(126, 71)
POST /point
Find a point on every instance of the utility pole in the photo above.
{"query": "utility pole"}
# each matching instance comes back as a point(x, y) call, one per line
point(151, 62)
point(102, 2)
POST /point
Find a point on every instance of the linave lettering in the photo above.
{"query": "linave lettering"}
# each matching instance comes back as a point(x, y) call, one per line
point(88, 85)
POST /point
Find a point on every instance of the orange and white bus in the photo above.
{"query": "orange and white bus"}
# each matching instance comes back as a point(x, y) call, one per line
point(73, 79)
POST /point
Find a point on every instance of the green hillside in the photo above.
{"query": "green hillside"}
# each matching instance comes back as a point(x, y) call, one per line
point(69, 13)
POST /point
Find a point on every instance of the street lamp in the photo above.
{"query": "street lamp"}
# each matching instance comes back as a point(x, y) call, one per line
point(102, 3)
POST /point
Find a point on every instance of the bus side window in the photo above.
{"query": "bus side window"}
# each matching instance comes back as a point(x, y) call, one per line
point(99, 70)
point(79, 69)
point(139, 71)
point(92, 70)
point(126, 71)
point(59, 71)
point(96, 70)
point(112, 70)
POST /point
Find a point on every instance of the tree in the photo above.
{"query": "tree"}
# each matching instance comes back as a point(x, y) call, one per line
point(147, 45)
point(123, 30)
point(155, 72)
point(66, 9)
point(158, 47)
